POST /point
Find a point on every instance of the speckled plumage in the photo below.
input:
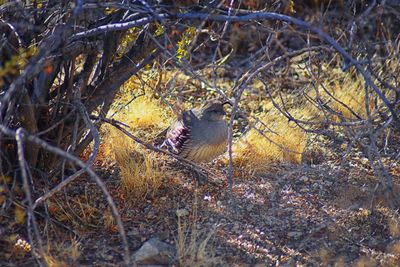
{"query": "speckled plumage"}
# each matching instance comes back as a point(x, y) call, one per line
point(200, 135)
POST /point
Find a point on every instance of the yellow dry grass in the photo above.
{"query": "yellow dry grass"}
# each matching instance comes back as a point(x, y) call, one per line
point(67, 253)
point(345, 91)
point(254, 151)
point(141, 173)
point(287, 142)
point(342, 92)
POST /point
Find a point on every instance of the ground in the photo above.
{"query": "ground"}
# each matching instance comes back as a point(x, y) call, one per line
point(292, 215)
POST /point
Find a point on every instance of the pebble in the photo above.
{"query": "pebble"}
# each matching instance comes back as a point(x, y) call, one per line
point(364, 160)
point(304, 190)
point(235, 227)
point(134, 232)
point(304, 179)
point(294, 234)
point(315, 185)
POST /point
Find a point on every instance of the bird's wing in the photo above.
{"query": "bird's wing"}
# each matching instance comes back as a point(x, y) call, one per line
point(178, 136)
point(180, 132)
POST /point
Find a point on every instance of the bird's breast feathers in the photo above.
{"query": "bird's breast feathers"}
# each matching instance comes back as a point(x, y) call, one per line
point(205, 152)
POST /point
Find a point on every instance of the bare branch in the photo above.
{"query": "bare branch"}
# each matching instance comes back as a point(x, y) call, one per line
point(20, 138)
point(114, 27)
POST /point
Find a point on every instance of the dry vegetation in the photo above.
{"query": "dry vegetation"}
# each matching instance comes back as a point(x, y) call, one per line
point(310, 141)
point(141, 171)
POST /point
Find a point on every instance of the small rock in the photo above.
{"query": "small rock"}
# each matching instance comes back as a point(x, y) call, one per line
point(304, 190)
point(294, 234)
point(235, 227)
point(134, 232)
point(207, 198)
point(154, 252)
point(249, 207)
point(109, 257)
point(315, 185)
point(304, 179)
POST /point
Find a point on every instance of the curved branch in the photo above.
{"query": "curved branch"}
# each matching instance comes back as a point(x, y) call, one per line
point(115, 27)
point(349, 60)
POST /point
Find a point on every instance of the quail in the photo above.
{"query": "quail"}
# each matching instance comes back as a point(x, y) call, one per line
point(199, 135)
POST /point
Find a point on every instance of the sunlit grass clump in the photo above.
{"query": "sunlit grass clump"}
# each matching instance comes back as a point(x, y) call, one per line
point(255, 150)
point(343, 97)
point(141, 173)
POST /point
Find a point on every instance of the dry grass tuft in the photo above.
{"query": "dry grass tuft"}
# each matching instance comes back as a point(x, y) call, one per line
point(81, 211)
point(364, 261)
point(253, 152)
point(67, 253)
point(192, 245)
point(342, 92)
point(141, 171)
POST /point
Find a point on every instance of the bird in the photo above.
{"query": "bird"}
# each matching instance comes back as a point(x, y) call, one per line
point(199, 135)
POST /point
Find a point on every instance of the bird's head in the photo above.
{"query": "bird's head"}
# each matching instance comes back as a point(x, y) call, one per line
point(214, 110)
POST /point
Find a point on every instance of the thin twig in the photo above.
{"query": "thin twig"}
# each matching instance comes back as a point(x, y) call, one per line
point(20, 138)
